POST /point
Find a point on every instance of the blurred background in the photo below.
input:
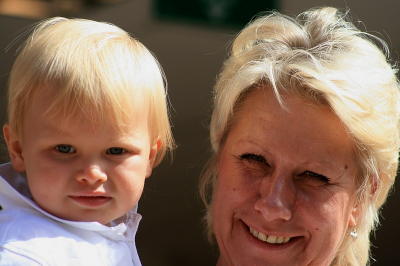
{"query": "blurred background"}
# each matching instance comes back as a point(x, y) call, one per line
point(190, 39)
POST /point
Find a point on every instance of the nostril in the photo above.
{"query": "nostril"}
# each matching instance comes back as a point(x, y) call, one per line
point(273, 208)
point(92, 175)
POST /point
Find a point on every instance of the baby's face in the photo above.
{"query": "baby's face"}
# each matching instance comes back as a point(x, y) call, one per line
point(83, 171)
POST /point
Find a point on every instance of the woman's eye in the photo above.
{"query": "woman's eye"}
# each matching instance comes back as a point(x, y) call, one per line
point(253, 158)
point(65, 148)
point(317, 177)
point(115, 150)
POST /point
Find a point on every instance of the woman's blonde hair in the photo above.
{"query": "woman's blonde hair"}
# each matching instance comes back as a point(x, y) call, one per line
point(88, 65)
point(322, 56)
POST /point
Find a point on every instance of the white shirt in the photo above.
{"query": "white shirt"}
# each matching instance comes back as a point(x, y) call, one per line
point(31, 236)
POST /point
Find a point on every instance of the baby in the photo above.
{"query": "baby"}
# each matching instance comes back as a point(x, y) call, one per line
point(87, 122)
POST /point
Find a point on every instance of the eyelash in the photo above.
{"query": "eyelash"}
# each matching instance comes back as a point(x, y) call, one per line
point(61, 149)
point(312, 176)
point(69, 148)
point(259, 159)
point(253, 158)
point(121, 150)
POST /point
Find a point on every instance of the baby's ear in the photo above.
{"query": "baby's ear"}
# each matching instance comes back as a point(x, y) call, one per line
point(14, 146)
point(156, 146)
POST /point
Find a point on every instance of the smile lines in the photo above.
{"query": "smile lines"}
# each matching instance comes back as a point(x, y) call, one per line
point(269, 239)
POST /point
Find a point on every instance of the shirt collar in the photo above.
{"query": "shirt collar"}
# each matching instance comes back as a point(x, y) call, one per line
point(15, 193)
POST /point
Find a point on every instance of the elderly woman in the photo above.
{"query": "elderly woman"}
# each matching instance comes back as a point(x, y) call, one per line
point(305, 138)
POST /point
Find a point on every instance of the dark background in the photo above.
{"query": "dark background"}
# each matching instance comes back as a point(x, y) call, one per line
point(191, 45)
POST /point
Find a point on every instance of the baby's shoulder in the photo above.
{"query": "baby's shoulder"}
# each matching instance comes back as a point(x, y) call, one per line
point(31, 235)
point(23, 224)
point(26, 237)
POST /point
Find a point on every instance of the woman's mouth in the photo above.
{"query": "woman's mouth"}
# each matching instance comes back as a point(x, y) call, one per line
point(269, 238)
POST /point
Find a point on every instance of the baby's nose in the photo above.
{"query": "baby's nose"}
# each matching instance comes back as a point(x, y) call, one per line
point(92, 174)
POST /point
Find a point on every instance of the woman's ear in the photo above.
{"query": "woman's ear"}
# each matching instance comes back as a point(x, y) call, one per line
point(154, 149)
point(354, 215)
point(375, 184)
point(356, 211)
point(14, 145)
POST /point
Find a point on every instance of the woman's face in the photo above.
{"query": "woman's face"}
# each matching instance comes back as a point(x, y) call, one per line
point(286, 184)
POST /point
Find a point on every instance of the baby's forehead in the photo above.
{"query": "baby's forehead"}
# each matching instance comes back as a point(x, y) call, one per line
point(74, 112)
point(57, 127)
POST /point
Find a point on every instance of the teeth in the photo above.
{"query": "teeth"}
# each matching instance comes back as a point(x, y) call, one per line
point(255, 233)
point(262, 237)
point(269, 239)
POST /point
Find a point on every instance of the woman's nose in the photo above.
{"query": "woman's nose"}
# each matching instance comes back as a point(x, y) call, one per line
point(276, 198)
point(92, 174)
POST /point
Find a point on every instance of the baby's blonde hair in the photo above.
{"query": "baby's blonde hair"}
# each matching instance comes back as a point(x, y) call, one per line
point(323, 57)
point(91, 65)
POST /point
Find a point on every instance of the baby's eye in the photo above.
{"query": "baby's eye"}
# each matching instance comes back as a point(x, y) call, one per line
point(115, 150)
point(65, 148)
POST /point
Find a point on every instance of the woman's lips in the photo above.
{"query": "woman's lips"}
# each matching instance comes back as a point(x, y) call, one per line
point(92, 201)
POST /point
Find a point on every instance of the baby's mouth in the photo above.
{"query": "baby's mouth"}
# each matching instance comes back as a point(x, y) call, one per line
point(268, 238)
point(91, 200)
